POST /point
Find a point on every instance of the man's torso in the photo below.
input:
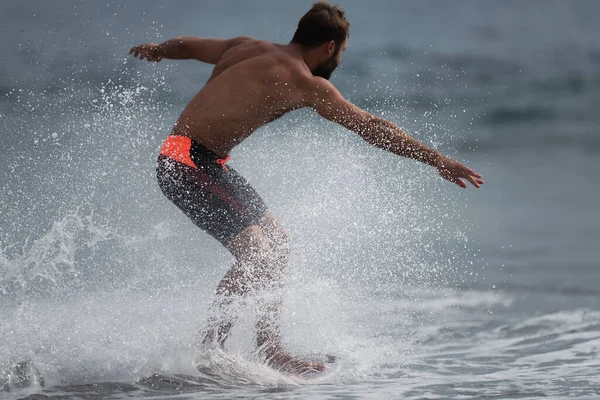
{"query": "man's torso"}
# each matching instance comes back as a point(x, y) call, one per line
point(253, 83)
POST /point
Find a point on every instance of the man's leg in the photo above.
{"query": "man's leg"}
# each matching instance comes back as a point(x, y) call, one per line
point(268, 338)
point(261, 255)
point(254, 270)
point(267, 325)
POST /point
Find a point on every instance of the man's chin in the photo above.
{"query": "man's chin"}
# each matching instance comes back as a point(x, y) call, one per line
point(323, 74)
point(326, 69)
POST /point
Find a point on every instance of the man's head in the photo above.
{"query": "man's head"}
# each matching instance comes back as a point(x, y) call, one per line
point(323, 28)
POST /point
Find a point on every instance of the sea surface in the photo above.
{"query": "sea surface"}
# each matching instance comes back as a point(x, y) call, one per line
point(419, 288)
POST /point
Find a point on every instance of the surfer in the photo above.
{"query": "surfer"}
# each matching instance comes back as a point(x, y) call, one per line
point(253, 83)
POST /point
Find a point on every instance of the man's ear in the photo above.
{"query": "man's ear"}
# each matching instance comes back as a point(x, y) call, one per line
point(331, 47)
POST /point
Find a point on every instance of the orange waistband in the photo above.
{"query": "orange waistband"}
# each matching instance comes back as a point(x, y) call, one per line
point(178, 147)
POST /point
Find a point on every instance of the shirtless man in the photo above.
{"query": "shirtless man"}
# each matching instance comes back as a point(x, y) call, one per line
point(253, 83)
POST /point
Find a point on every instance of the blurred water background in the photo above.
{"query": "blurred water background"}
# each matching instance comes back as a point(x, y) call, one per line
point(422, 289)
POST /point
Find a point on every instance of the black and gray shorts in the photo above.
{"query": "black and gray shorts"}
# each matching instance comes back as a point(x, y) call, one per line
point(215, 197)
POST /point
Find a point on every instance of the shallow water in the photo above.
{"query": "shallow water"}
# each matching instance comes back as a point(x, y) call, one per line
point(420, 289)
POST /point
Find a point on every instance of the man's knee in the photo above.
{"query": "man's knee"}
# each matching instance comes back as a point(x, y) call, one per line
point(250, 245)
point(279, 238)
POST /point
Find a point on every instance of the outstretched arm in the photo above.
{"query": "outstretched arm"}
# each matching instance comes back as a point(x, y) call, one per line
point(187, 47)
point(330, 104)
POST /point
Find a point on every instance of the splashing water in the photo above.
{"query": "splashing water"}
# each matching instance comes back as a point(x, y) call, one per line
point(102, 280)
point(118, 286)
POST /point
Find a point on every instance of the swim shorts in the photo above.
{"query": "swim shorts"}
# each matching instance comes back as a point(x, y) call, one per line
point(214, 196)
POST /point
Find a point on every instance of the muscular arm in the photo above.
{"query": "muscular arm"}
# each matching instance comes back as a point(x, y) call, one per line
point(207, 50)
point(330, 104)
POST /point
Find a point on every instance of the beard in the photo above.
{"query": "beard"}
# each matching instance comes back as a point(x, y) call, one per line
point(327, 67)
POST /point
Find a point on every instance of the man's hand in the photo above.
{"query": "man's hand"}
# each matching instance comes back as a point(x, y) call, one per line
point(454, 171)
point(150, 51)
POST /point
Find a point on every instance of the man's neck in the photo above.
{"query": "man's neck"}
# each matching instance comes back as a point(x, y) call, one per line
point(307, 55)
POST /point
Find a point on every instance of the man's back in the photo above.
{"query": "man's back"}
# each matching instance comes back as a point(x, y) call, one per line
point(253, 83)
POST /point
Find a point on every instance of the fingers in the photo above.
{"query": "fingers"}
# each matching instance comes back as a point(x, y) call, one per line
point(466, 170)
point(473, 177)
point(477, 182)
point(145, 53)
point(471, 172)
point(457, 173)
point(136, 51)
point(140, 51)
point(454, 179)
point(474, 181)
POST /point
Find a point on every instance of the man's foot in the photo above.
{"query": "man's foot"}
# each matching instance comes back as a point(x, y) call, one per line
point(216, 335)
point(281, 360)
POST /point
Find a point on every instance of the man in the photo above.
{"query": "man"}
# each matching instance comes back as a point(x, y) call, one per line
point(255, 82)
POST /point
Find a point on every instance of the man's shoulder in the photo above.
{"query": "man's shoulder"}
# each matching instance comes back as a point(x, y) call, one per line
point(281, 62)
point(315, 84)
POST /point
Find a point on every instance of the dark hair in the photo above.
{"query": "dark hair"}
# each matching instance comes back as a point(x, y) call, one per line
point(322, 23)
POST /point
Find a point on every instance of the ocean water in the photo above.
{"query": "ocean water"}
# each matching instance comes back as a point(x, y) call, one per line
point(421, 289)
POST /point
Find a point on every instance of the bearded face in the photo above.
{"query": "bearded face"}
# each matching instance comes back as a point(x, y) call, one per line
point(328, 66)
